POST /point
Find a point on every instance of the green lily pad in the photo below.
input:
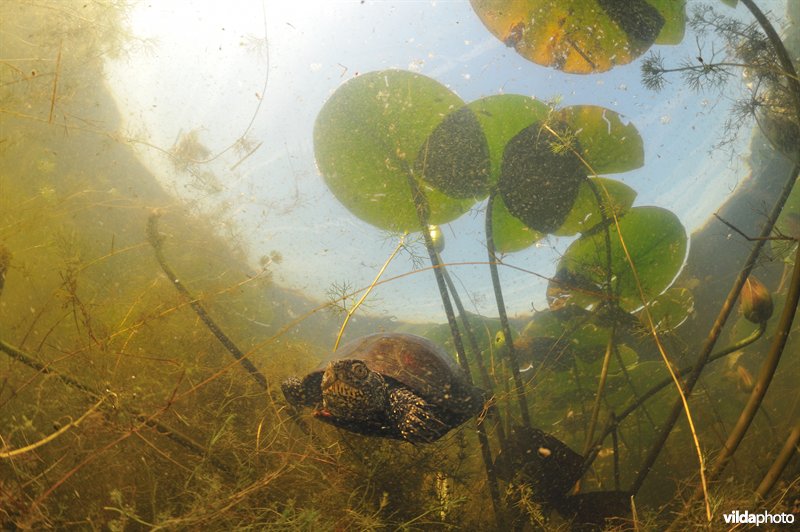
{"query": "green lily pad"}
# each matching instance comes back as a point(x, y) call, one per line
point(585, 215)
point(367, 138)
point(674, 13)
point(540, 177)
point(455, 158)
point(577, 36)
point(510, 234)
point(607, 145)
point(656, 241)
point(670, 309)
point(502, 117)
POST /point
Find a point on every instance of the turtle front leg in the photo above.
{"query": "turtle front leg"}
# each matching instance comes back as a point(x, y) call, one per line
point(415, 419)
point(304, 392)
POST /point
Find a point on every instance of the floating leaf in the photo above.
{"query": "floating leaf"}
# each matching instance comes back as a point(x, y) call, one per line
point(510, 234)
point(585, 215)
point(577, 36)
point(502, 117)
point(674, 13)
point(367, 137)
point(607, 145)
point(670, 309)
point(656, 241)
point(540, 176)
point(455, 158)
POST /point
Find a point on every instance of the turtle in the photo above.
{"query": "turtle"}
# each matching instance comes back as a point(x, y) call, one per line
point(390, 385)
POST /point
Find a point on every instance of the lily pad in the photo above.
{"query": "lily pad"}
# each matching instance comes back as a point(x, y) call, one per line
point(455, 158)
point(502, 117)
point(674, 13)
point(670, 309)
point(616, 197)
point(367, 138)
point(607, 145)
point(577, 36)
point(510, 234)
point(540, 177)
point(656, 241)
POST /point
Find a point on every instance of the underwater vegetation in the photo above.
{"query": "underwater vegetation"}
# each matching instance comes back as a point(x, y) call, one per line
point(142, 356)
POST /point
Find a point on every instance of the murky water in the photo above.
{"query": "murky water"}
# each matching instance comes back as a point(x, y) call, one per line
point(200, 205)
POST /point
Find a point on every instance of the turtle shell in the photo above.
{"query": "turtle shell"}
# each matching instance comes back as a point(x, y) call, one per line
point(416, 363)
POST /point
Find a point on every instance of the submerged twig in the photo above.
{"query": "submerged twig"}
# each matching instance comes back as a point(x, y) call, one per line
point(616, 419)
point(55, 84)
point(366, 293)
point(156, 240)
point(47, 439)
point(177, 437)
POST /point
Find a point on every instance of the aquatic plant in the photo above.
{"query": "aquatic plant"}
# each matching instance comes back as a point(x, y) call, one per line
point(120, 403)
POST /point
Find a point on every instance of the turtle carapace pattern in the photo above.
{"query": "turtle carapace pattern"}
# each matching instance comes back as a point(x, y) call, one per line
point(390, 385)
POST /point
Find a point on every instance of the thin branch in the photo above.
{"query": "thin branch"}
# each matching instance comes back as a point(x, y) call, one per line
point(156, 240)
point(366, 293)
point(750, 238)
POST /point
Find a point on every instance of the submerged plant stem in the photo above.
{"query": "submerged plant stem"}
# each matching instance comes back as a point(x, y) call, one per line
point(47, 439)
point(493, 411)
point(727, 306)
point(768, 368)
point(501, 310)
point(422, 208)
point(601, 385)
point(366, 293)
point(156, 240)
point(787, 452)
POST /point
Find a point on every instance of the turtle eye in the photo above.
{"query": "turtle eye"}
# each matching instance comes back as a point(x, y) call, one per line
point(360, 370)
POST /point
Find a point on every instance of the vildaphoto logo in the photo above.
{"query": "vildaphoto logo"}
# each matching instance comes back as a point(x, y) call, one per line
point(764, 518)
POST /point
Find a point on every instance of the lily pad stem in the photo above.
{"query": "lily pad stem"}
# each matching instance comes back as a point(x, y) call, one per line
point(513, 361)
point(616, 419)
point(768, 368)
point(794, 86)
point(492, 410)
point(421, 206)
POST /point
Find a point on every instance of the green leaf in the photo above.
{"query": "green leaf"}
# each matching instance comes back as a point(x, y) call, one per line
point(455, 158)
point(607, 145)
point(510, 234)
point(502, 117)
point(586, 214)
point(540, 176)
point(654, 238)
point(367, 137)
point(674, 13)
point(670, 309)
point(577, 36)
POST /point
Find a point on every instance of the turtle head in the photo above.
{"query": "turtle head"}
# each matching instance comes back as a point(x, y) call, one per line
point(296, 392)
point(353, 392)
